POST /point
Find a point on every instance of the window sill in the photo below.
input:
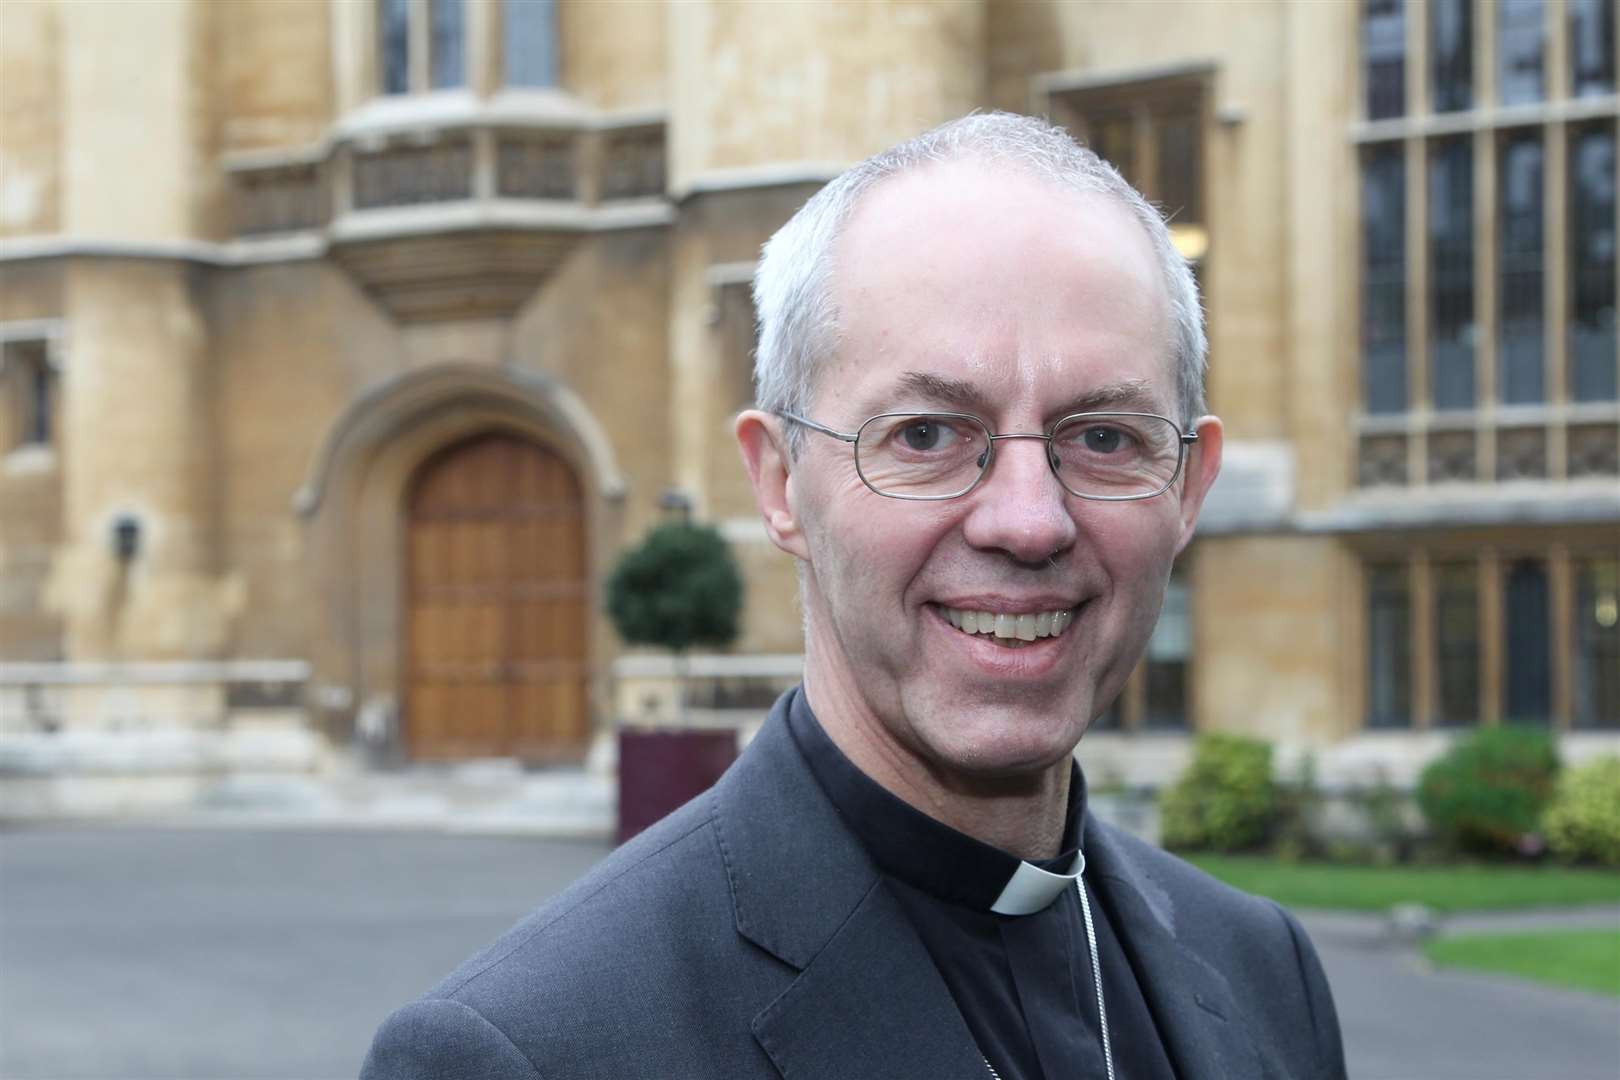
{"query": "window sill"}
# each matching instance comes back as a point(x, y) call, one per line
point(37, 459)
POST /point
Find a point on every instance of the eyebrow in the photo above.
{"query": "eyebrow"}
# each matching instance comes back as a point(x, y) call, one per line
point(1130, 395)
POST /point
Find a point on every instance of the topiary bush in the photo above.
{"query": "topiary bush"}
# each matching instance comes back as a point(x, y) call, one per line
point(678, 588)
point(1225, 801)
point(1485, 795)
point(1583, 820)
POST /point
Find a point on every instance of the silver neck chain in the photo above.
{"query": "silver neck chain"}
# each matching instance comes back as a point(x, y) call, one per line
point(1096, 980)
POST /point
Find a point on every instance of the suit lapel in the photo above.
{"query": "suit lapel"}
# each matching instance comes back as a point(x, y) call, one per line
point(868, 1000)
point(1192, 1003)
point(870, 1004)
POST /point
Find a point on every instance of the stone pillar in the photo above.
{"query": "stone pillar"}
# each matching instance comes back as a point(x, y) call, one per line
point(137, 430)
point(139, 443)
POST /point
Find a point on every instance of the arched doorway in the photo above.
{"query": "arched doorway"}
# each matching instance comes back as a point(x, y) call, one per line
point(495, 652)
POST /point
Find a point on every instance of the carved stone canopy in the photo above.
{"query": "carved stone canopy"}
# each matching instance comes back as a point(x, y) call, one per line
point(471, 273)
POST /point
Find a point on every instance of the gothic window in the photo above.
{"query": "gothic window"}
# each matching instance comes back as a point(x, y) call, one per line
point(393, 46)
point(447, 50)
point(1383, 294)
point(1488, 245)
point(1519, 261)
point(1592, 327)
point(1525, 646)
point(1591, 53)
point(1158, 695)
point(421, 45)
point(28, 392)
point(529, 42)
point(1451, 272)
point(1169, 658)
point(1519, 36)
point(1152, 131)
point(1451, 54)
point(1456, 642)
point(1389, 647)
point(1458, 636)
point(1383, 44)
point(1597, 643)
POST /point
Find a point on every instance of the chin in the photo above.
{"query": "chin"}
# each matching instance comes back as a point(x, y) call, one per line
point(1004, 748)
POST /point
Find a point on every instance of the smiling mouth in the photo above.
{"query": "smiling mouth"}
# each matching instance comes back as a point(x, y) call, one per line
point(1010, 630)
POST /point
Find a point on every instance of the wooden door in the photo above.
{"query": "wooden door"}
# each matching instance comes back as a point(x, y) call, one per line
point(495, 571)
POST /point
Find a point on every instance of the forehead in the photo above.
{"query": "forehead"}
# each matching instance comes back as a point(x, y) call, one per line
point(1031, 294)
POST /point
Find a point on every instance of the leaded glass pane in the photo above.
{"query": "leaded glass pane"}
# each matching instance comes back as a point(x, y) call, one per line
point(1168, 654)
point(1383, 50)
point(529, 42)
point(1597, 643)
point(1520, 32)
point(1456, 638)
point(1179, 180)
point(1451, 276)
point(1520, 375)
point(393, 46)
point(1113, 137)
point(1591, 46)
point(1451, 49)
point(1389, 648)
point(1383, 281)
point(1527, 647)
point(447, 52)
point(1592, 250)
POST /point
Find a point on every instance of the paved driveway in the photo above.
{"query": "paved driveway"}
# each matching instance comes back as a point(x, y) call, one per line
point(148, 954)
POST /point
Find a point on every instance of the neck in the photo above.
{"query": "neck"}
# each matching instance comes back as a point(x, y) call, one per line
point(1023, 814)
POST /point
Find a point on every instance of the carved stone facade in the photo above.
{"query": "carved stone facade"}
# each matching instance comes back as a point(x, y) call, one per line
point(247, 296)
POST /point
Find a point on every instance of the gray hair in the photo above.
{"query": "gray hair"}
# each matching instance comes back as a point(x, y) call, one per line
point(798, 323)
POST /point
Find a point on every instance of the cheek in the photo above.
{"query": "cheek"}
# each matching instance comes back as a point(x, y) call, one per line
point(1136, 549)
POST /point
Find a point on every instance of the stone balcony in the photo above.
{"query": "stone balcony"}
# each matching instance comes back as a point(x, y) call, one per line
point(456, 213)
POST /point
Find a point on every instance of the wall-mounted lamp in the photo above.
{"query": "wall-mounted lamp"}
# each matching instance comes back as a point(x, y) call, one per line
point(126, 538)
point(676, 504)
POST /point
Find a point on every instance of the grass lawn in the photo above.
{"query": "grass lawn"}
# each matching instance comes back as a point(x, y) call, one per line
point(1580, 959)
point(1444, 888)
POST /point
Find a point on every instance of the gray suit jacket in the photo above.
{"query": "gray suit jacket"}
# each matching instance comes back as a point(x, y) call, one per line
point(749, 935)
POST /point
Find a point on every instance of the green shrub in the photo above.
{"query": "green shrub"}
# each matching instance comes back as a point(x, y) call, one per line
point(679, 588)
point(1225, 801)
point(1485, 795)
point(1583, 819)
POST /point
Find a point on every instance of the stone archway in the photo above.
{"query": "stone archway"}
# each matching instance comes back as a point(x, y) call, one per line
point(354, 505)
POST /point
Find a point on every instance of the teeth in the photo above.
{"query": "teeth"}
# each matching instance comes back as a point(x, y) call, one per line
point(1021, 626)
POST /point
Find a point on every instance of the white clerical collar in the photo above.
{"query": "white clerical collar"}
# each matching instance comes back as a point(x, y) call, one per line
point(1031, 889)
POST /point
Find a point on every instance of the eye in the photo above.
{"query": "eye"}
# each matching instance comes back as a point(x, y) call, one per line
point(1103, 439)
point(926, 433)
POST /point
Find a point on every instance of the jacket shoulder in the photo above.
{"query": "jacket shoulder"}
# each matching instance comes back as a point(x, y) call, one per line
point(596, 980)
point(436, 1039)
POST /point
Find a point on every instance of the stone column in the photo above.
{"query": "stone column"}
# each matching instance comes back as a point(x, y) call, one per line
point(137, 413)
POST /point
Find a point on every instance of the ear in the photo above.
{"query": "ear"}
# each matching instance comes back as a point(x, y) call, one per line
point(765, 456)
point(1202, 465)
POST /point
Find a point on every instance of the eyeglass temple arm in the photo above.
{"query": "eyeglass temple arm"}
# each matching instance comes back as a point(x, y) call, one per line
point(813, 426)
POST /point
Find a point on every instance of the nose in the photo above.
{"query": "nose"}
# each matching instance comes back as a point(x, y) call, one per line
point(1019, 507)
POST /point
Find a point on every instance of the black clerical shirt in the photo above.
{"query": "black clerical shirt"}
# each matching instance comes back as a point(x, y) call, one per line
point(1022, 982)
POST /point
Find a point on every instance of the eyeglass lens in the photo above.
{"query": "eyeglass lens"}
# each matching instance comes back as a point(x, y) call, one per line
point(933, 455)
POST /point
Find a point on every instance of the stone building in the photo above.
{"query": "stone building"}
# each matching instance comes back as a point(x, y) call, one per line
point(345, 343)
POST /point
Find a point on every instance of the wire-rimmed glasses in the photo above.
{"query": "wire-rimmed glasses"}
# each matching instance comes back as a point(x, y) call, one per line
point(1111, 456)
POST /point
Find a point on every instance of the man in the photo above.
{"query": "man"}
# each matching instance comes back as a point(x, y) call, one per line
point(980, 434)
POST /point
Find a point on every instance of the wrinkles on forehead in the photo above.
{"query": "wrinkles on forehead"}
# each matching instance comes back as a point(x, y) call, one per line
point(919, 390)
point(1028, 296)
